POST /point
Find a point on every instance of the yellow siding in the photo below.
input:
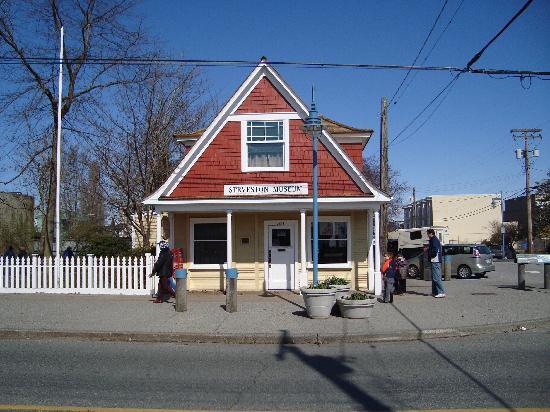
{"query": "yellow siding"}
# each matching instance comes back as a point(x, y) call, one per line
point(249, 257)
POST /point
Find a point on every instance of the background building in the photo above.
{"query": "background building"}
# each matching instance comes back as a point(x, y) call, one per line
point(16, 220)
point(467, 217)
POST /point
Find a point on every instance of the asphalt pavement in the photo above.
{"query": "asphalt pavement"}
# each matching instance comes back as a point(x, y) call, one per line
point(472, 306)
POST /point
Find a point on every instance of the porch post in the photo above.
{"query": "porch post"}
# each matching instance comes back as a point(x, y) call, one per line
point(303, 261)
point(171, 222)
point(377, 274)
point(159, 231)
point(229, 240)
point(230, 273)
point(370, 242)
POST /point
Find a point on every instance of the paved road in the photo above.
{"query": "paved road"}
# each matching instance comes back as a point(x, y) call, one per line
point(502, 370)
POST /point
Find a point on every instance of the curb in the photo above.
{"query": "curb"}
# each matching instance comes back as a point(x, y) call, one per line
point(190, 338)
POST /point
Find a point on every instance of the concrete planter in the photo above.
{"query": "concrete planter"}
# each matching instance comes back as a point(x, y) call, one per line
point(356, 309)
point(341, 290)
point(319, 302)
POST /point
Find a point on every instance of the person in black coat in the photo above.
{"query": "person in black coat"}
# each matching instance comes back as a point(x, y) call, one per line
point(163, 268)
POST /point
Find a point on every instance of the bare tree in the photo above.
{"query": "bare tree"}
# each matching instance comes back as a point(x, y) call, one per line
point(134, 143)
point(29, 36)
point(397, 188)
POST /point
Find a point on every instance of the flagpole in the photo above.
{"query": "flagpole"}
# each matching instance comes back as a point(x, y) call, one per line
point(58, 167)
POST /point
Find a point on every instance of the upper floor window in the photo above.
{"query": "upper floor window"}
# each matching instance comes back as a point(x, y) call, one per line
point(265, 146)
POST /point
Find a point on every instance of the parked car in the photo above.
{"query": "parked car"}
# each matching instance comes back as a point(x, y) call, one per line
point(469, 259)
point(466, 260)
point(496, 251)
point(413, 256)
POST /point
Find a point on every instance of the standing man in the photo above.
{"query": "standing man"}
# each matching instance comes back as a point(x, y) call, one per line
point(434, 252)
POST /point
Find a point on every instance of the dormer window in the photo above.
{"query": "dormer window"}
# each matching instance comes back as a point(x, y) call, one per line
point(265, 145)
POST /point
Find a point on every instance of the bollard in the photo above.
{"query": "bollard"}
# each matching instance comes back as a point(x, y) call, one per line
point(231, 290)
point(181, 290)
point(447, 267)
point(547, 276)
point(521, 276)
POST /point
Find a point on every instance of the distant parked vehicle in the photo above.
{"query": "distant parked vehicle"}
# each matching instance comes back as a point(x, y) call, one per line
point(466, 260)
point(469, 259)
point(496, 251)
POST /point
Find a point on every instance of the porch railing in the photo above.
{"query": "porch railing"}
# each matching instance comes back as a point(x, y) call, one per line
point(82, 274)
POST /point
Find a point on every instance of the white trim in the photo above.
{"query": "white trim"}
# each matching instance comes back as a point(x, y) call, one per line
point(171, 221)
point(261, 71)
point(192, 222)
point(346, 219)
point(271, 204)
point(303, 256)
point(159, 231)
point(350, 138)
point(263, 116)
point(283, 223)
point(286, 147)
point(229, 237)
point(377, 273)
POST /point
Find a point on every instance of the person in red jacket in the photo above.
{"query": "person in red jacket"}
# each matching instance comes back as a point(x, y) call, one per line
point(389, 272)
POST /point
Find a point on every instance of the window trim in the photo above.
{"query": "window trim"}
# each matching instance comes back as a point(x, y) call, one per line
point(309, 221)
point(192, 222)
point(285, 141)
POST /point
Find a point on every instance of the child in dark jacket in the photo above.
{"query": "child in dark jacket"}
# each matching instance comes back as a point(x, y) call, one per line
point(401, 279)
point(389, 272)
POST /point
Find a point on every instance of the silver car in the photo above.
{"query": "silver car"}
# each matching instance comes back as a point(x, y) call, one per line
point(466, 260)
point(469, 259)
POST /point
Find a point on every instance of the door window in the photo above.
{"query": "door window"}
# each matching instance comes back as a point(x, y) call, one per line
point(280, 237)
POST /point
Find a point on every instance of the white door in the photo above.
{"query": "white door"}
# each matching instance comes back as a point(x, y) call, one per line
point(280, 257)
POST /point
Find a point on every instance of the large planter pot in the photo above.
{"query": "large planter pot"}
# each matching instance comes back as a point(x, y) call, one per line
point(341, 290)
point(356, 309)
point(319, 302)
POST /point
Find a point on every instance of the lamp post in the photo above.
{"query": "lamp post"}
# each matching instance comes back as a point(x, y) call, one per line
point(313, 125)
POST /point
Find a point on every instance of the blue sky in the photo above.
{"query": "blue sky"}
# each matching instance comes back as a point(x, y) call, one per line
point(465, 147)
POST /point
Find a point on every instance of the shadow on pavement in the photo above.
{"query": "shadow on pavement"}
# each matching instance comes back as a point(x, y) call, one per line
point(455, 365)
point(332, 369)
point(271, 294)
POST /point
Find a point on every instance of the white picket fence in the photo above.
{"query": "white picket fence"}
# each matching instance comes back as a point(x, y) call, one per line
point(85, 275)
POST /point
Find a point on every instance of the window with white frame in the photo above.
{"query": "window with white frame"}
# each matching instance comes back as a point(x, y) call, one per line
point(265, 145)
point(208, 241)
point(334, 241)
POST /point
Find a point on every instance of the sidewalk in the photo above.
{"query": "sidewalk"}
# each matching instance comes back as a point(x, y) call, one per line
point(471, 306)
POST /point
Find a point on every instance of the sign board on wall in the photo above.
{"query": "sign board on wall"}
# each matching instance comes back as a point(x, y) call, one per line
point(287, 189)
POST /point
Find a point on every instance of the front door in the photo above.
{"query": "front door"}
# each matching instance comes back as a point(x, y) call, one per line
point(280, 256)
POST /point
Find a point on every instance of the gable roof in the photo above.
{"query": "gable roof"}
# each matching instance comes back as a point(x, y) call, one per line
point(263, 70)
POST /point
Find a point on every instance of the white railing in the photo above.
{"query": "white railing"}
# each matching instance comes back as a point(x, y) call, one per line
point(86, 275)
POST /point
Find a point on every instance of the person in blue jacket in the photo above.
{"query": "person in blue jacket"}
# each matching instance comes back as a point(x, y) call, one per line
point(434, 253)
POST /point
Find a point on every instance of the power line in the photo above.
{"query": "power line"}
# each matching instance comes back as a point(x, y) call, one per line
point(466, 69)
point(433, 47)
point(447, 86)
point(479, 53)
point(419, 52)
point(143, 61)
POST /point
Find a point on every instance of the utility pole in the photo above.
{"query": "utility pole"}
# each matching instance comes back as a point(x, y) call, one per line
point(527, 134)
point(384, 173)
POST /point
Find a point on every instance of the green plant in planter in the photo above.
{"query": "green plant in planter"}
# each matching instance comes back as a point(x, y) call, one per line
point(358, 296)
point(320, 285)
point(334, 280)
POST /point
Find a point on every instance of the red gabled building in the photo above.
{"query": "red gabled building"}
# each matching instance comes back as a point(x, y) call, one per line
point(242, 194)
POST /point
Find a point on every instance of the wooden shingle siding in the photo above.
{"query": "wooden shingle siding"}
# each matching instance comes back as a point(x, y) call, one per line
point(221, 164)
point(264, 99)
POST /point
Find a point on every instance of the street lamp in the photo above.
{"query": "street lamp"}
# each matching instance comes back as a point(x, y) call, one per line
point(313, 125)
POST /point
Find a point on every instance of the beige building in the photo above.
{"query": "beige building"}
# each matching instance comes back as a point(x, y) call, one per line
point(467, 217)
